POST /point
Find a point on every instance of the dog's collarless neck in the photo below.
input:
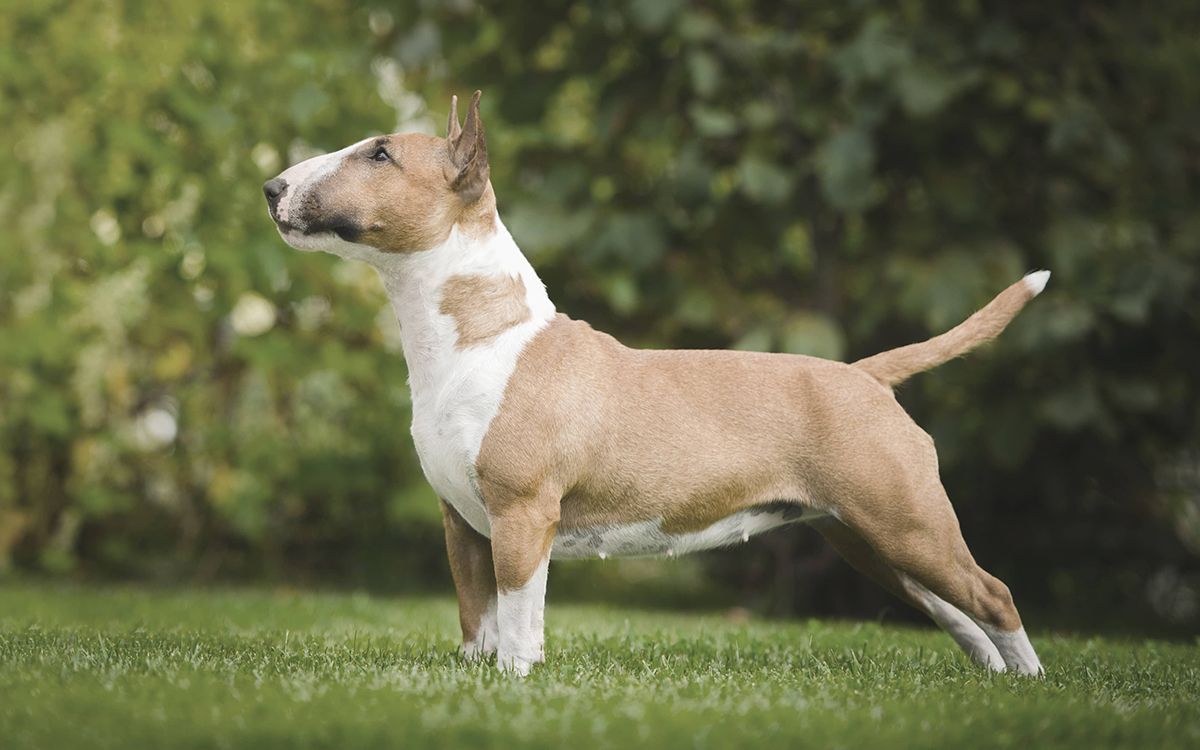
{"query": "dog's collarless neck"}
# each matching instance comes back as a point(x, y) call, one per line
point(435, 346)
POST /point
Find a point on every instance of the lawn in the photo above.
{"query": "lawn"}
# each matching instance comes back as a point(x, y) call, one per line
point(123, 667)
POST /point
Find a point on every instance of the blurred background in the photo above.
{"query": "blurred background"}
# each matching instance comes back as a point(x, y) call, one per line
point(186, 400)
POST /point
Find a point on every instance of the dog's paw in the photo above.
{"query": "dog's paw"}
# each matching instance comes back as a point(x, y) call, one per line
point(477, 649)
point(485, 641)
point(514, 664)
point(482, 645)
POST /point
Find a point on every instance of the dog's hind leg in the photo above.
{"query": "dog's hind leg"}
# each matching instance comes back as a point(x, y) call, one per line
point(969, 636)
point(917, 534)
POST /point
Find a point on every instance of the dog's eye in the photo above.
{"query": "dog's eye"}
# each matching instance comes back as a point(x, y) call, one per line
point(380, 154)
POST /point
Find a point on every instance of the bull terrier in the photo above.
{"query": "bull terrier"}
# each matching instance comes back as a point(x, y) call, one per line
point(545, 438)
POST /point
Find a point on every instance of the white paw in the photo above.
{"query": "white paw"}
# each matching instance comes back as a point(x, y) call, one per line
point(484, 642)
point(989, 659)
point(477, 649)
point(514, 664)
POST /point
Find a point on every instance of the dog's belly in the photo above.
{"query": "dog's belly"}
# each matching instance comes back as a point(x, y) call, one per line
point(647, 539)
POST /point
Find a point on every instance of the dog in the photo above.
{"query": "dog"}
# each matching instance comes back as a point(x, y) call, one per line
point(545, 438)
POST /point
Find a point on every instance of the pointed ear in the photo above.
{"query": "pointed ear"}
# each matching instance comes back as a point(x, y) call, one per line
point(452, 128)
point(468, 167)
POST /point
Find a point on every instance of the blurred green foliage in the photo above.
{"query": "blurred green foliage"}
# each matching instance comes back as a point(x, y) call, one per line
point(181, 394)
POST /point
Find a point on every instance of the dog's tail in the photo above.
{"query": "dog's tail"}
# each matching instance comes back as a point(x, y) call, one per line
point(897, 365)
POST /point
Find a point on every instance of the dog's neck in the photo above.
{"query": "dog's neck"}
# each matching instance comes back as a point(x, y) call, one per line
point(414, 283)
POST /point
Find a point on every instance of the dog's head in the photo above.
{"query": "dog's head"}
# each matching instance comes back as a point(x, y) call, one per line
point(394, 193)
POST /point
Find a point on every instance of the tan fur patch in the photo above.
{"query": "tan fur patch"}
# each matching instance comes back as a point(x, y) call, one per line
point(483, 307)
point(521, 539)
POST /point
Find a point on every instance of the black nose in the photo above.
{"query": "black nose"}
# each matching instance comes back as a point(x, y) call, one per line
point(273, 189)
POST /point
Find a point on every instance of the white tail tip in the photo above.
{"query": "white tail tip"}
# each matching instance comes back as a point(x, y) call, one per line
point(1036, 281)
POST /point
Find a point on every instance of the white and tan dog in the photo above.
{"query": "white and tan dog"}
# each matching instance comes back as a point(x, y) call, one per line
point(547, 439)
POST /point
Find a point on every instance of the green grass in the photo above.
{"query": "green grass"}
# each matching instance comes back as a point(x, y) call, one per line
point(124, 668)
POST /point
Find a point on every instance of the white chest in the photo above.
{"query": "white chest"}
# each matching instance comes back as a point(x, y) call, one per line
point(448, 430)
point(452, 412)
point(457, 388)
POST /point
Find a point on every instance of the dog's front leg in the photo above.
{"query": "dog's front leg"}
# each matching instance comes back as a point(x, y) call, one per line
point(521, 540)
point(470, 556)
